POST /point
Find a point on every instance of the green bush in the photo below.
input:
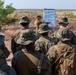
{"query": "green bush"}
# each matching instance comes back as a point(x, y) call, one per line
point(4, 12)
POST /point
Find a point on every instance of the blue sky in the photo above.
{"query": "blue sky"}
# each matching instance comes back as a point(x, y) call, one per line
point(41, 4)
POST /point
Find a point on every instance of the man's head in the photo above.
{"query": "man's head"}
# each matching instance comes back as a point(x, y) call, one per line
point(43, 28)
point(39, 17)
point(63, 22)
point(24, 21)
point(26, 37)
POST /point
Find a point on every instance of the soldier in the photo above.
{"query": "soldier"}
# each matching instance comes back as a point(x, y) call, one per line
point(63, 55)
point(44, 42)
point(24, 21)
point(38, 22)
point(28, 61)
point(2, 45)
point(63, 23)
point(4, 67)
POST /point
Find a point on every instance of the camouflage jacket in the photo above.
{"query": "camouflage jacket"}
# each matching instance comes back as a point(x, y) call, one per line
point(55, 36)
point(43, 44)
point(5, 50)
point(28, 62)
point(2, 45)
point(54, 55)
point(14, 46)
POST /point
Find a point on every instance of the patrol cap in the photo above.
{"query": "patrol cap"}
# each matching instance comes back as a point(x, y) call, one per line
point(43, 28)
point(26, 37)
point(64, 20)
point(64, 35)
point(24, 19)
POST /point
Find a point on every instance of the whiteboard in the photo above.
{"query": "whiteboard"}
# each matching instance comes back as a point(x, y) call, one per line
point(49, 15)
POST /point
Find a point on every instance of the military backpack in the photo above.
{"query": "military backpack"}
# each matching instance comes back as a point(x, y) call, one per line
point(66, 60)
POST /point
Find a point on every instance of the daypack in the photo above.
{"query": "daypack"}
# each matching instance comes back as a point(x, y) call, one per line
point(66, 60)
point(43, 65)
point(14, 38)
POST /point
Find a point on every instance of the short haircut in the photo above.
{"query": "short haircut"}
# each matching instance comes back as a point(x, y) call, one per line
point(39, 16)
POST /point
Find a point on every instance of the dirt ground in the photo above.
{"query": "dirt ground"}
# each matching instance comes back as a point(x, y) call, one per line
point(9, 59)
point(8, 35)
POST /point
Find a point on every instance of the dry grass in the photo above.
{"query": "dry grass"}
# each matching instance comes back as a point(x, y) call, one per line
point(32, 14)
point(9, 30)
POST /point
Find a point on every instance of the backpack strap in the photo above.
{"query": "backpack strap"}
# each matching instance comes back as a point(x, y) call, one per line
point(57, 62)
point(60, 54)
point(30, 56)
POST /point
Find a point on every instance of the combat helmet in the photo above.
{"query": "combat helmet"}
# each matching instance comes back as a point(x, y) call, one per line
point(43, 28)
point(26, 37)
point(64, 20)
point(24, 19)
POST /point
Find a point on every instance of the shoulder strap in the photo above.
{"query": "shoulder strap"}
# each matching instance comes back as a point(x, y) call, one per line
point(57, 49)
point(30, 56)
point(16, 33)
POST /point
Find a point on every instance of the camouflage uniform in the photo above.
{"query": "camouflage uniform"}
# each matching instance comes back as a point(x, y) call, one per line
point(28, 62)
point(63, 20)
point(55, 52)
point(4, 67)
point(44, 42)
point(14, 45)
point(2, 45)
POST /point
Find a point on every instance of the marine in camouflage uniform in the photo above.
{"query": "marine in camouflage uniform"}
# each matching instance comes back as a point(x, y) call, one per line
point(63, 23)
point(24, 21)
point(44, 42)
point(28, 61)
point(38, 21)
point(55, 53)
point(4, 67)
point(2, 45)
